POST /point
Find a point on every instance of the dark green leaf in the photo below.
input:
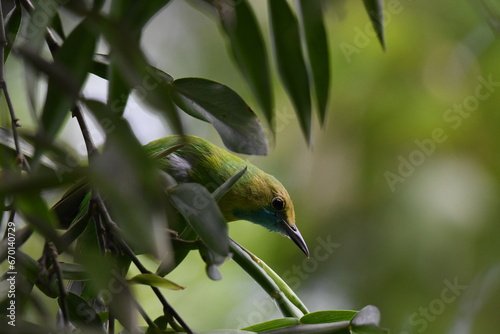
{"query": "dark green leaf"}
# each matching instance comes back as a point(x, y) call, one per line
point(12, 28)
point(368, 315)
point(57, 25)
point(228, 331)
point(118, 89)
point(272, 324)
point(313, 27)
point(198, 207)
point(327, 316)
point(76, 66)
point(238, 126)
point(249, 51)
point(100, 65)
point(375, 9)
point(136, 200)
point(290, 62)
point(73, 271)
point(81, 314)
point(138, 13)
point(155, 280)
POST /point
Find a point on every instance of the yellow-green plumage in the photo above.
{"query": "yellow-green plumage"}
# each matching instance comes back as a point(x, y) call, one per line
point(257, 197)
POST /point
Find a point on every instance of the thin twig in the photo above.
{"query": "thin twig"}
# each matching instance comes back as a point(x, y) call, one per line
point(52, 252)
point(3, 86)
point(169, 312)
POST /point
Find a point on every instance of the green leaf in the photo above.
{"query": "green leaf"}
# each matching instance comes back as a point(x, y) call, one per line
point(375, 8)
point(327, 316)
point(212, 102)
point(81, 314)
point(12, 28)
point(368, 315)
point(198, 207)
point(76, 66)
point(118, 89)
point(139, 13)
point(272, 324)
point(290, 62)
point(314, 31)
point(155, 280)
point(249, 51)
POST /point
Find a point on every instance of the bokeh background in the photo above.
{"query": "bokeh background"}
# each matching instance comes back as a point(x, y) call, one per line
point(398, 195)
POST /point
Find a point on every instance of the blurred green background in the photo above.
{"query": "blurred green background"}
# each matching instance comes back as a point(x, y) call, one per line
point(397, 197)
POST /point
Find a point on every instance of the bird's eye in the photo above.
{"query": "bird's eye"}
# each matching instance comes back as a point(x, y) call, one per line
point(278, 203)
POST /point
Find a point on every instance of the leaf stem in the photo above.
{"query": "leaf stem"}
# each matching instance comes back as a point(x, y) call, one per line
point(245, 261)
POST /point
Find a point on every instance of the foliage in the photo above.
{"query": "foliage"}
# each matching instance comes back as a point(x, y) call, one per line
point(104, 230)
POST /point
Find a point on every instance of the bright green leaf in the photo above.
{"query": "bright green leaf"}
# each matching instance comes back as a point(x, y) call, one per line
point(198, 207)
point(272, 324)
point(238, 126)
point(313, 27)
point(290, 62)
point(155, 280)
point(249, 51)
point(320, 317)
point(375, 9)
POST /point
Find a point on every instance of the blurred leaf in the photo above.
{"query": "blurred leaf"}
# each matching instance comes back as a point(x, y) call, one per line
point(213, 261)
point(156, 281)
point(81, 314)
point(118, 89)
point(23, 326)
point(150, 84)
point(57, 26)
point(249, 51)
point(7, 140)
point(368, 315)
point(35, 211)
point(290, 62)
point(100, 65)
point(198, 207)
point(138, 13)
point(320, 317)
point(272, 324)
point(238, 126)
point(136, 200)
point(12, 28)
point(35, 274)
point(375, 8)
point(311, 14)
point(73, 271)
point(76, 66)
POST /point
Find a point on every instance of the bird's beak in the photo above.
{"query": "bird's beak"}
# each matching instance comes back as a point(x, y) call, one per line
point(293, 233)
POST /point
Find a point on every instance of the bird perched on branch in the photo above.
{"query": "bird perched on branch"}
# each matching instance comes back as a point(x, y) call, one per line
point(256, 197)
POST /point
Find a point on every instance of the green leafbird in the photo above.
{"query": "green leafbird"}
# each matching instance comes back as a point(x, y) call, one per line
point(256, 197)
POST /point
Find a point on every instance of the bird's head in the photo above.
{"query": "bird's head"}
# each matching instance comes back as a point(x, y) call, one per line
point(263, 200)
